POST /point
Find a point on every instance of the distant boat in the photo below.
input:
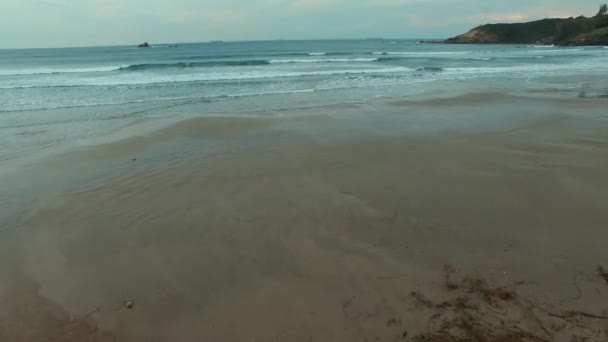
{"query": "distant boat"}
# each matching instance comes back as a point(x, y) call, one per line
point(143, 45)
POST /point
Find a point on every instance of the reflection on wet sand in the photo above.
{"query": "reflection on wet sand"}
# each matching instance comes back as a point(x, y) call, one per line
point(254, 230)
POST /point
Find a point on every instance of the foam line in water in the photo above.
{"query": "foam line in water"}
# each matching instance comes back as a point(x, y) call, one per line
point(183, 65)
point(421, 53)
point(153, 78)
point(17, 72)
point(324, 60)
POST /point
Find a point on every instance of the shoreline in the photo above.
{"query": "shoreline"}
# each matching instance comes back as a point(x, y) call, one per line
point(351, 223)
point(148, 125)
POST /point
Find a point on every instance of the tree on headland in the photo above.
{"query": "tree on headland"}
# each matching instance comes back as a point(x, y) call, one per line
point(603, 10)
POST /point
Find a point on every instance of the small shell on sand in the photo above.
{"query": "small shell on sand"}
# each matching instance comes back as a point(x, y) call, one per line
point(129, 304)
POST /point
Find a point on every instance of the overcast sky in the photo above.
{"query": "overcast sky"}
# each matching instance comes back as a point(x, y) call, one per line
point(53, 23)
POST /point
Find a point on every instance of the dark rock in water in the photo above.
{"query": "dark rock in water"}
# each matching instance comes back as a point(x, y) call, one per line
point(430, 42)
point(143, 45)
point(593, 94)
point(548, 41)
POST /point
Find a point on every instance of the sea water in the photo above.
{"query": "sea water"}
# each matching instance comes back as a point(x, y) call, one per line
point(56, 97)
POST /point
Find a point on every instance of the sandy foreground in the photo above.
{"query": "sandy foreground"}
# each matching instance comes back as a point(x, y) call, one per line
point(322, 227)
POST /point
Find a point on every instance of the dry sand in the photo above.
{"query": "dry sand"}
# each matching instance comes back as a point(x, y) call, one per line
point(248, 230)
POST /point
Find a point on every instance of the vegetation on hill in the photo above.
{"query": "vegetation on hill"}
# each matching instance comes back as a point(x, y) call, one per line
point(569, 31)
point(603, 10)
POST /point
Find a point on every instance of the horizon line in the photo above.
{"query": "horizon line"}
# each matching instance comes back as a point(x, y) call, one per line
point(219, 41)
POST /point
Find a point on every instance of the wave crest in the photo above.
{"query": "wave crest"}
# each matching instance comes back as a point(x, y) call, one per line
point(430, 69)
point(183, 65)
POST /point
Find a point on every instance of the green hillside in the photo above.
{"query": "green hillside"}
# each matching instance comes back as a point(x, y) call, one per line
point(569, 31)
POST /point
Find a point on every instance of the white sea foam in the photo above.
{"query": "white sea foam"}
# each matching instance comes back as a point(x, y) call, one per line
point(429, 53)
point(324, 60)
point(420, 53)
point(317, 53)
point(561, 50)
point(139, 79)
point(519, 69)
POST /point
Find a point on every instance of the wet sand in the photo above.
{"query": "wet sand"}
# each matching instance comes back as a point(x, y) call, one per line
point(261, 229)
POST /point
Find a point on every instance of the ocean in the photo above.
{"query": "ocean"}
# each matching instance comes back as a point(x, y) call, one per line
point(54, 97)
